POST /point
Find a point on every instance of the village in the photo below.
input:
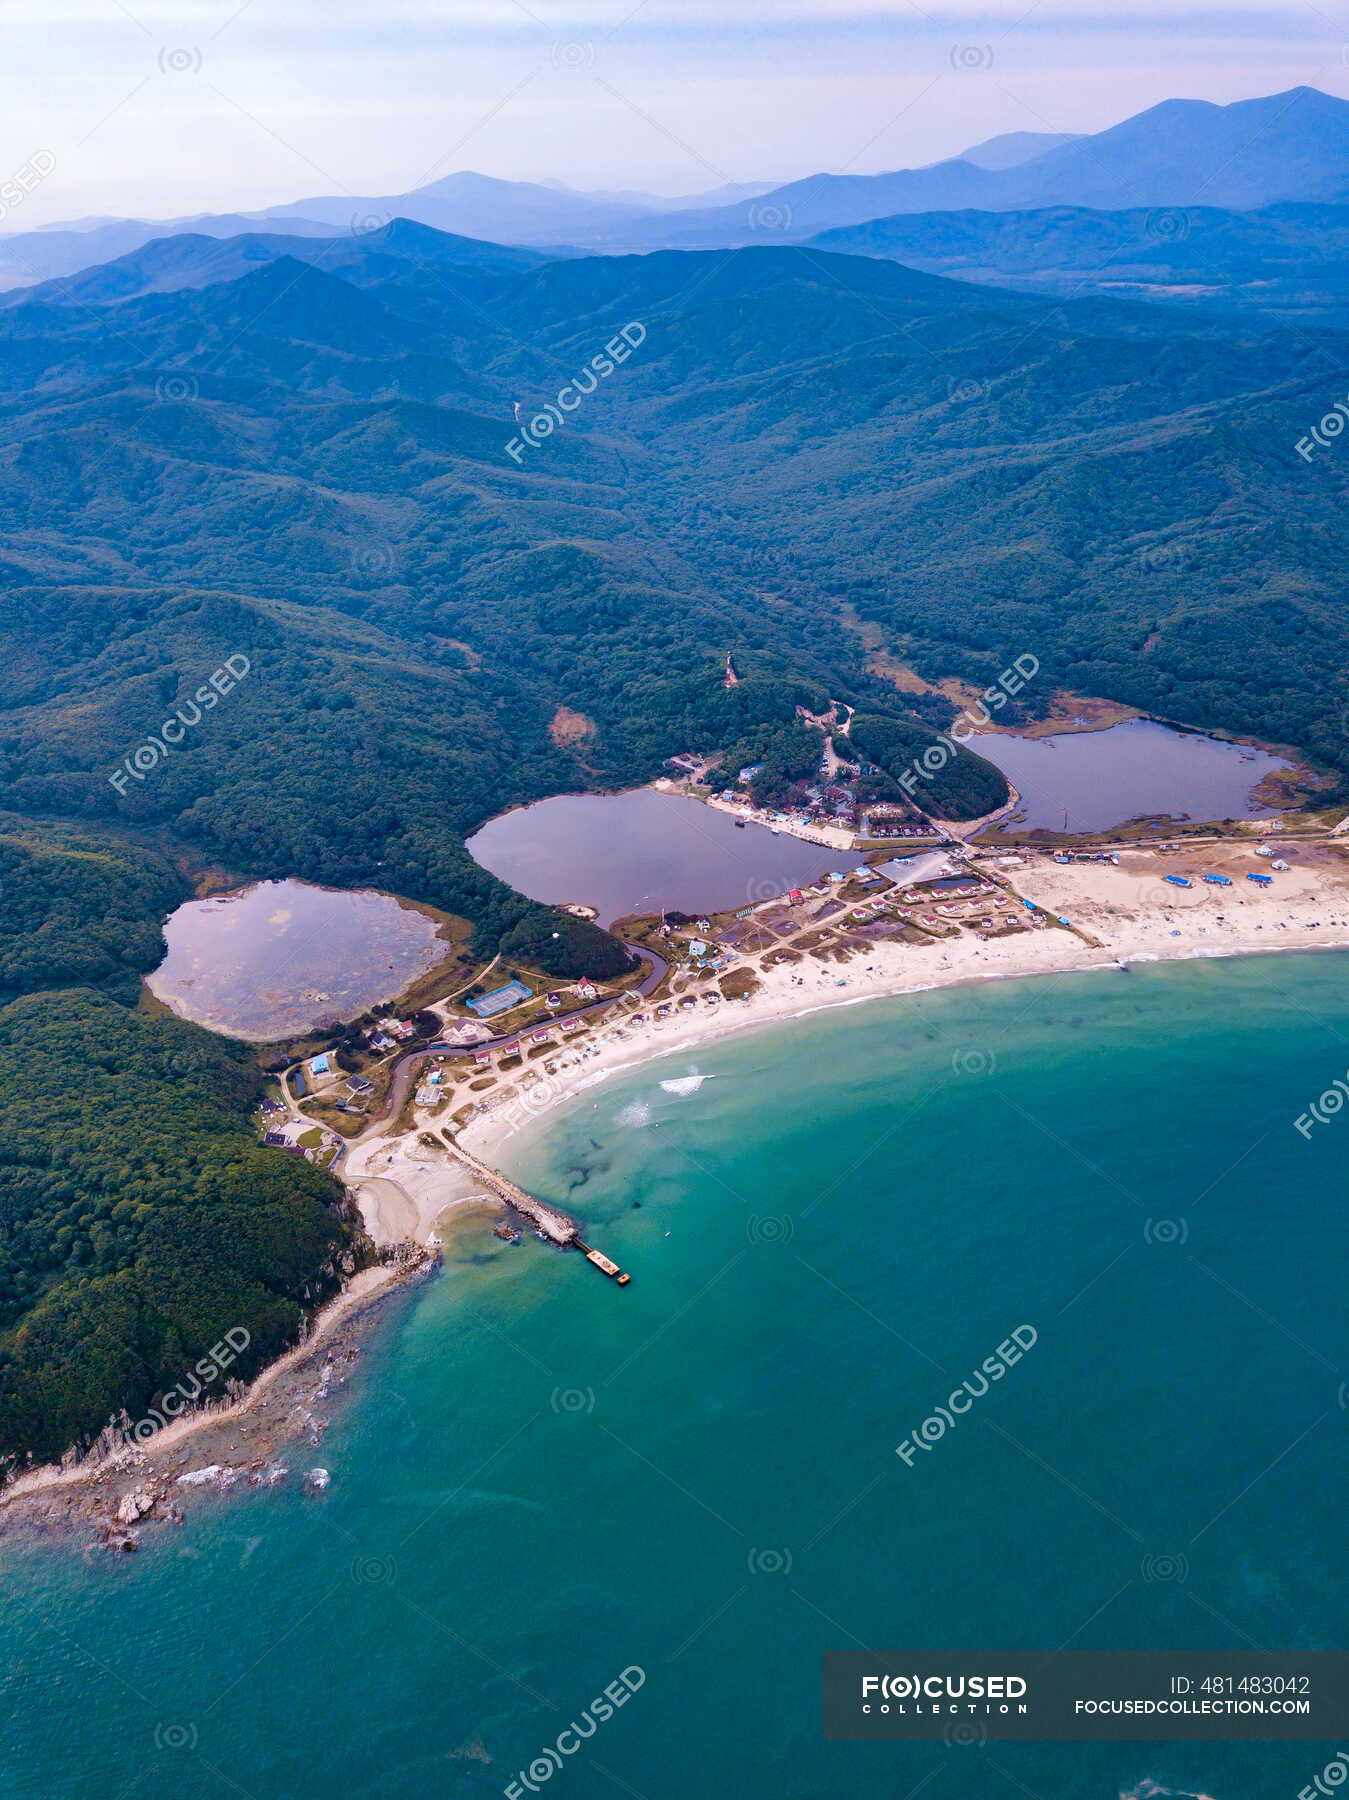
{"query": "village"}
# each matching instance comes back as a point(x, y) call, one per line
point(404, 1109)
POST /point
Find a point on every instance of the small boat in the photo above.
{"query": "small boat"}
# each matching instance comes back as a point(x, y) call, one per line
point(740, 824)
point(1177, 880)
point(1219, 880)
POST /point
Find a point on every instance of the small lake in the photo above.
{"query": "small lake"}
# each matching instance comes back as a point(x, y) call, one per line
point(278, 959)
point(1131, 771)
point(637, 852)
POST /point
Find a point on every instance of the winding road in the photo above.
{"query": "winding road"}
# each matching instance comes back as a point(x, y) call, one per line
point(405, 1070)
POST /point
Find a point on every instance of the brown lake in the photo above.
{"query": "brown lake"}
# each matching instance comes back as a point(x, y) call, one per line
point(643, 850)
point(280, 958)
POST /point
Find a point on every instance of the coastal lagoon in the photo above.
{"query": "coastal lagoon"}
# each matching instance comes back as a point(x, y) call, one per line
point(643, 850)
point(1135, 770)
point(539, 1481)
point(282, 957)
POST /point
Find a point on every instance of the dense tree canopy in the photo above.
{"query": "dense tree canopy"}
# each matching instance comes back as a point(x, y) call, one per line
point(140, 1219)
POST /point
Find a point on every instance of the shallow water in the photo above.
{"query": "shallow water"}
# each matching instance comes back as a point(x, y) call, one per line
point(542, 1480)
point(1130, 771)
point(277, 959)
point(637, 852)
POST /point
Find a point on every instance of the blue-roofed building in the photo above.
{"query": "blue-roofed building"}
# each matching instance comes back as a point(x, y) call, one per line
point(320, 1066)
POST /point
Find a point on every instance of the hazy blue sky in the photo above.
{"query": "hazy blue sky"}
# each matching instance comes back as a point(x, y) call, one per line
point(191, 105)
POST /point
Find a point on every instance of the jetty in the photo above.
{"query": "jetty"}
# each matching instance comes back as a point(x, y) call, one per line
point(550, 1221)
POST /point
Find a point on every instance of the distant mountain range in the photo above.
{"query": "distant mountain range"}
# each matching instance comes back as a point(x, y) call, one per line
point(1290, 258)
point(169, 265)
point(1253, 154)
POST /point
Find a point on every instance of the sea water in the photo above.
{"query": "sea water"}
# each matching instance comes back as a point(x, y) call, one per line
point(540, 1481)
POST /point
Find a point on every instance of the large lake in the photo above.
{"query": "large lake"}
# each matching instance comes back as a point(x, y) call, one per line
point(1131, 771)
point(637, 852)
point(276, 960)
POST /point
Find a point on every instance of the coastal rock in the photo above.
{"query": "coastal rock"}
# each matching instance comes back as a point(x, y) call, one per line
point(135, 1505)
point(316, 1480)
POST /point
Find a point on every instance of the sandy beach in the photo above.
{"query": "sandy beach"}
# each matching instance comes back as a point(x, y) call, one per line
point(1117, 914)
point(412, 1191)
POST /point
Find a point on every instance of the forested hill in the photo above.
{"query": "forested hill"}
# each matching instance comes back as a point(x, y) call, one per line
point(293, 576)
point(325, 475)
point(140, 1219)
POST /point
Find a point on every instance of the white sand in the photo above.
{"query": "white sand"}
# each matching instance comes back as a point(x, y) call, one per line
point(1206, 921)
point(404, 1188)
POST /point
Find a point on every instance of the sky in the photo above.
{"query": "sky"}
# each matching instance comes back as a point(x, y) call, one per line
point(127, 108)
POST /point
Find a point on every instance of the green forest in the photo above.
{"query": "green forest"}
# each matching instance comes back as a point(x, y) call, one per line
point(140, 1219)
point(305, 477)
point(78, 911)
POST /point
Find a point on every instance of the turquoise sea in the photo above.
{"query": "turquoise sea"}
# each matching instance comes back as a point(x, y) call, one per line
point(541, 1481)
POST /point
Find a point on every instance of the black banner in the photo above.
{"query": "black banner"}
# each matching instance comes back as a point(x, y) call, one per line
point(1086, 1696)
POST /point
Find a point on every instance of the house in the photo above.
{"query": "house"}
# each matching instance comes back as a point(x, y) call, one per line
point(585, 989)
point(320, 1066)
point(697, 947)
point(275, 1138)
point(482, 1056)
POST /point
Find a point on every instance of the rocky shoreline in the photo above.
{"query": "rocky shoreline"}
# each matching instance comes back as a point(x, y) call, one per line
point(257, 1437)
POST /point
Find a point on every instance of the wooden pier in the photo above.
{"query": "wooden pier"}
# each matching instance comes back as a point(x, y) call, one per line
point(558, 1227)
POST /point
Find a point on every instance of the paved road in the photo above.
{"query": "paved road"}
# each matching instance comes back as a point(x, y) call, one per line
point(405, 1071)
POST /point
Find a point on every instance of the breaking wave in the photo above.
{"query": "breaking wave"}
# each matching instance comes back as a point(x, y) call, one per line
point(684, 1084)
